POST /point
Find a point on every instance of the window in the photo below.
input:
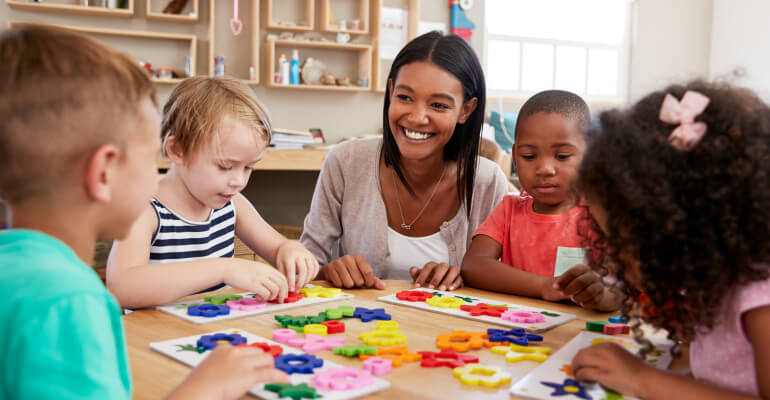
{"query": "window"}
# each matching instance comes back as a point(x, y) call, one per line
point(576, 45)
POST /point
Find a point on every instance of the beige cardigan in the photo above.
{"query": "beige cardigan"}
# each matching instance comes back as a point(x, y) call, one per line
point(348, 210)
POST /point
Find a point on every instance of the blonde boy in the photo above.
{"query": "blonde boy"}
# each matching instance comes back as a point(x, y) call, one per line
point(79, 133)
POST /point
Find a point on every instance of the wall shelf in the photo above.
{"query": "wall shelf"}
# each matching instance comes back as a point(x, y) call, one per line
point(332, 27)
point(364, 52)
point(379, 81)
point(280, 160)
point(189, 41)
point(73, 8)
point(251, 23)
point(189, 18)
point(309, 17)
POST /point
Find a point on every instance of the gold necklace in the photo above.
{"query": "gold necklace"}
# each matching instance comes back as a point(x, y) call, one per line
point(404, 225)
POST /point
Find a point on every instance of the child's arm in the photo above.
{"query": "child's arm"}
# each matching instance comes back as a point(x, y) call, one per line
point(137, 283)
point(482, 269)
point(585, 287)
point(297, 264)
point(617, 369)
point(214, 377)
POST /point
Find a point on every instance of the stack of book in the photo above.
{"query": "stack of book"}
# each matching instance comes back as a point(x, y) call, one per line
point(290, 139)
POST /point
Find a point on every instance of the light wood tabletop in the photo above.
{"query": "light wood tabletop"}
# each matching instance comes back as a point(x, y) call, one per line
point(155, 375)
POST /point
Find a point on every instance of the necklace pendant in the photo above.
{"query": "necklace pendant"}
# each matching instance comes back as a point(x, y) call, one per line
point(406, 227)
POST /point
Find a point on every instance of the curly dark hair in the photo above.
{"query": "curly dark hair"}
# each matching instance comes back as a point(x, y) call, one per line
point(691, 224)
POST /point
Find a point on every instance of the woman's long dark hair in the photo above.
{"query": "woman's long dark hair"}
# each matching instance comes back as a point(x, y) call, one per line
point(454, 55)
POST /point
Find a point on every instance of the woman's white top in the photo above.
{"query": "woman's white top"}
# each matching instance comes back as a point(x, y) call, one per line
point(407, 252)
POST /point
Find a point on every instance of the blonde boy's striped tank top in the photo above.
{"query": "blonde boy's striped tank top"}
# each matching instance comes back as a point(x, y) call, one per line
point(177, 239)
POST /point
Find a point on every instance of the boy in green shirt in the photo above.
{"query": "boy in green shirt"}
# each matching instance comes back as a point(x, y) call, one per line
point(79, 136)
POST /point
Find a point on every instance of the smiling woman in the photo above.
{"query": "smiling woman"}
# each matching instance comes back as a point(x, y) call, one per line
point(405, 206)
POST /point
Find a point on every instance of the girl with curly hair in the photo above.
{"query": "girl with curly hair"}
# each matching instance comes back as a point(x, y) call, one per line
point(679, 188)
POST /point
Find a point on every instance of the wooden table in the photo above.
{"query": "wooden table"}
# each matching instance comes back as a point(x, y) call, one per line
point(154, 374)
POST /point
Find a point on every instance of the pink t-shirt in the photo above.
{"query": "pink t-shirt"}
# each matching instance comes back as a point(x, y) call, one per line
point(725, 357)
point(530, 240)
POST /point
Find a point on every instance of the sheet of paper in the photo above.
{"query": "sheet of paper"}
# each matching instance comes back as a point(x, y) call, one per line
point(429, 26)
point(394, 27)
point(568, 257)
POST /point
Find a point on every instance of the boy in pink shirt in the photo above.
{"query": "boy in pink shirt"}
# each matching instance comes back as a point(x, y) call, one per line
point(537, 232)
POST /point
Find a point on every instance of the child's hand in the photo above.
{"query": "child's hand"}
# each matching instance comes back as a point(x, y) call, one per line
point(297, 264)
point(351, 271)
point(214, 377)
point(262, 279)
point(584, 286)
point(611, 366)
point(437, 276)
point(549, 291)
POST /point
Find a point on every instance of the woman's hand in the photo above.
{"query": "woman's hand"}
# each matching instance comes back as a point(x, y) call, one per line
point(352, 271)
point(437, 276)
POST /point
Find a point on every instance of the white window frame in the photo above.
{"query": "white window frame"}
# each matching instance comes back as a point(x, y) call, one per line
point(624, 61)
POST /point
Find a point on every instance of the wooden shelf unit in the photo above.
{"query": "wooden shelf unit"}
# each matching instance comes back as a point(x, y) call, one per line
point(364, 63)
point(253, 24)
point(79, 9)
point(412, 30)
point(332, 27)
point(280, 160)
point(185, 18)
point(309, 16)
point(191, 39)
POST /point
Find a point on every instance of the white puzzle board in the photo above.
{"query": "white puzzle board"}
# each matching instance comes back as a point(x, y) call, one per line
point(180, 309)
point(553, 369)
point(171, 348)
point(550, 320)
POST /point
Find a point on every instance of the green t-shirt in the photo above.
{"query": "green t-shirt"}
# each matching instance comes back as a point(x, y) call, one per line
point(60, 331)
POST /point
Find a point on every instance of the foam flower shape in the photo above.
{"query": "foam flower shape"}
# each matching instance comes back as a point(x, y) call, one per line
point(379, 337)
point(478, 374)
point(320, 291)
point(445, 302)
point(461, 341)
point(413, 295)
point(523, 316)
point(209, 342)
point(342, 379)
point(516, 353)
point(208, 310)
point(246, 304)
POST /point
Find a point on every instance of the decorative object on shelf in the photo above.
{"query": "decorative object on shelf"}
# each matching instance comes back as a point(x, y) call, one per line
point(355, 25)
point(328, 79)
point(164, 73)
point(343, 81)
point(312, 70)
point(294, 67)
point(363, 81)
point(286, 36)
point(219, 61)
point(283, 63)
point(175, 6)
point(235, 24)
point(187, 66)
point(252, 73)
point(460, 24)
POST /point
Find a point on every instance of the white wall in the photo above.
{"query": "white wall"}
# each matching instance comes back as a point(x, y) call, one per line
point(671, 43)
point(740, 39)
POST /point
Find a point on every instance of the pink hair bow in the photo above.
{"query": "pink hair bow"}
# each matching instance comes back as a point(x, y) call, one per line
point(683, 112)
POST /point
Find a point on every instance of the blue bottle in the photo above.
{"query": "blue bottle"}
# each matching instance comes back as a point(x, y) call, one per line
point(295, 67)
